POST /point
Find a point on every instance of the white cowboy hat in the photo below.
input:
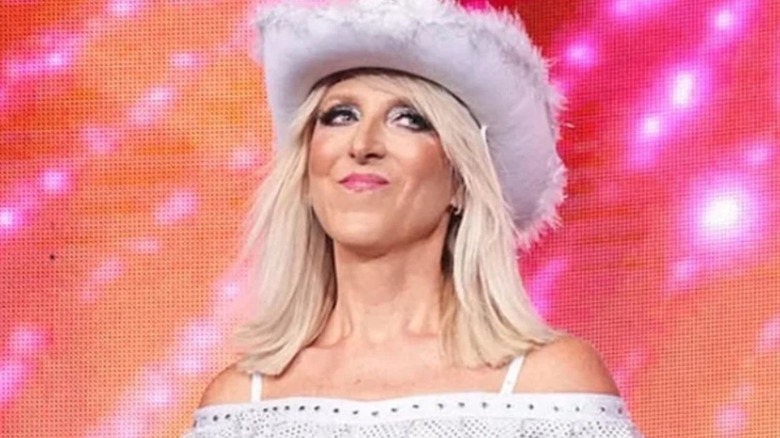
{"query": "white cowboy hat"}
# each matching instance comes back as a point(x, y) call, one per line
point(485, 58)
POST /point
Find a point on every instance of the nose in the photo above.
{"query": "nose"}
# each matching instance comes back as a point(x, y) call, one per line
point(368, 142)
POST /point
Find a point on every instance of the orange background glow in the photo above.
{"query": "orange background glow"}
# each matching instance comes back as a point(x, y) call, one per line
point(130, 136)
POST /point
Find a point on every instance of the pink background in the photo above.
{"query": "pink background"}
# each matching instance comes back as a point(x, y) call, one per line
point(130, 130)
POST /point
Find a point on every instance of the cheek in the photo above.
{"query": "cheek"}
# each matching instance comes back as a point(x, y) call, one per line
point(320, 157)
point(429, 175)
point(324, 155)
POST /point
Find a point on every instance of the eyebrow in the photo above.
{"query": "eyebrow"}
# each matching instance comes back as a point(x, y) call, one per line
point(342, 98)
point(348, 98)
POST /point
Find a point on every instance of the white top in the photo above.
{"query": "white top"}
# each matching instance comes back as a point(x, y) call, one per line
point(450, 415)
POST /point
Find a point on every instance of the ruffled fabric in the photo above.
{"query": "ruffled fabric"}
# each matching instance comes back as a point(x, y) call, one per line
point(467, 415)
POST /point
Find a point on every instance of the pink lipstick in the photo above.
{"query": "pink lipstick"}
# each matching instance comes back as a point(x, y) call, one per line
point(362, 182)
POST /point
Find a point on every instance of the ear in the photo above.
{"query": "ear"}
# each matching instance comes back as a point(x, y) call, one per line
point(458, 198)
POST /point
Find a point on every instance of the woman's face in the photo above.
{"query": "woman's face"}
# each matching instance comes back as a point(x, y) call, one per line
point(378, 176)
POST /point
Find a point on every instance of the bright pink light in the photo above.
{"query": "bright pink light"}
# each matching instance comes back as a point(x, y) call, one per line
point(54, 181)
point(9, 219)
point(581, 54)
point(100, 141)
point(730, 421)
point(145, 246)
point(126, 426)
point(26, 342)
point(189, 366)
point(152, 106)
point(724, 19)
point(683, 273)
point(683, 88)
point(760, 154)
point(727, 213)
point(199, 335)
point(244, 158)
point(690, 86)
point(158, 396)
point(177, 207)
point(722, 213)
point(12, 375)
point(57, 61)
point(651, 127)
point(684, 269)
point(769, 338)
point(184, 61)
point(228, 290)
point(732, 17)
point(730, 21)
point(124, 8)
point(645, 148)
point(157, 391)
point(107, 272)
point(626, 8)
point(18, 69)
point(39, 65)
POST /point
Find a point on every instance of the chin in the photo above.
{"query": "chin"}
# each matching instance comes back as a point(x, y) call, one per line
point(359, 237)
point(361, 231)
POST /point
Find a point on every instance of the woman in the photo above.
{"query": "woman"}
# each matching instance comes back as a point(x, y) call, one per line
point(418, 150)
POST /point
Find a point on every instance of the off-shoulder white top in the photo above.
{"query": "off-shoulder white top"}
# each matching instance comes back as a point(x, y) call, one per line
point(452, 415)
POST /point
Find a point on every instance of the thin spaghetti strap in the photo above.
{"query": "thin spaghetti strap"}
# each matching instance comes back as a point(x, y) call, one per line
point(257, 387)
point(510, 381)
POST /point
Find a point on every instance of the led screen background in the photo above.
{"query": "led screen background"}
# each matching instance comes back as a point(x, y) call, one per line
point(130, 136)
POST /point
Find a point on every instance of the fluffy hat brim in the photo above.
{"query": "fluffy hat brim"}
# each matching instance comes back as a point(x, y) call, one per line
point(484, 58)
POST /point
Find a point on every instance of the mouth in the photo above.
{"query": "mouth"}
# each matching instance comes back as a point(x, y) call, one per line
point(363, 182)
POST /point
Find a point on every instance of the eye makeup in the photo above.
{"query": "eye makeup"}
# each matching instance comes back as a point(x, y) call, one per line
point(339, 114)
point(410, 118)
point(402, 114)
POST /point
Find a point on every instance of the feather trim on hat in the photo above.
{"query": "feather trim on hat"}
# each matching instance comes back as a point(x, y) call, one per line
point(485, 58)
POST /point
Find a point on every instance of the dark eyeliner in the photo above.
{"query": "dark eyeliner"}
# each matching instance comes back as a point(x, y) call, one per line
point(329, 116)
point(419, 122)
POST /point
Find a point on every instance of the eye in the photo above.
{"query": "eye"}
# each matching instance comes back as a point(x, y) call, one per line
point(338, 115)
point(411, 119)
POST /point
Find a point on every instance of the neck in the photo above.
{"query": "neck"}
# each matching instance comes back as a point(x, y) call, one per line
point(387, 297)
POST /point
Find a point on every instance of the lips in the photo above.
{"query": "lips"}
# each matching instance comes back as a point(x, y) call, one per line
point(362, 182)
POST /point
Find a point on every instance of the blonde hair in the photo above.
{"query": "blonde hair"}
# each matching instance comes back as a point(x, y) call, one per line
point(487, 320)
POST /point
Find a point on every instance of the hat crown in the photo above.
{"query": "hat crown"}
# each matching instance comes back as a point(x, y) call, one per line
point(483, 57)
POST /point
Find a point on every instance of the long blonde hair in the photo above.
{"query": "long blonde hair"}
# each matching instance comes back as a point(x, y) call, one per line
point(489, 318)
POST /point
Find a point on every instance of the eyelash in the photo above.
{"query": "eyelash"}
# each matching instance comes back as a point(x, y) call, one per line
point(421, 123)
point(328, 118)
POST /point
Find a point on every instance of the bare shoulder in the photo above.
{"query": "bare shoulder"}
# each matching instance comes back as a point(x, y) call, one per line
point(567, 364)
point(231, 385)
